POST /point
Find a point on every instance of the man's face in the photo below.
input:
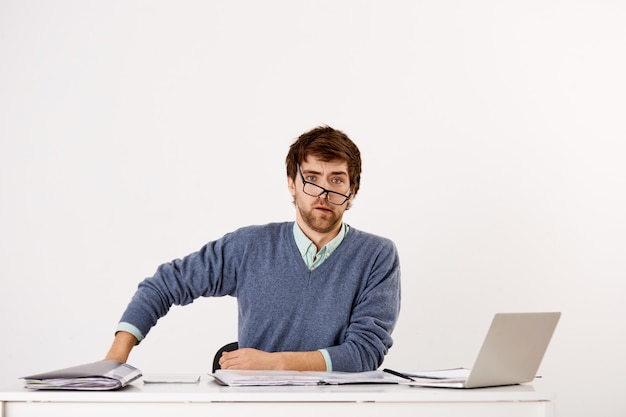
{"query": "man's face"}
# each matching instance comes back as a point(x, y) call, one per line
point(317, 213)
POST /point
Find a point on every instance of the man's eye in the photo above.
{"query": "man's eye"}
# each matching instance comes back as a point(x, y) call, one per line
point(311, 178)
point(337, 181)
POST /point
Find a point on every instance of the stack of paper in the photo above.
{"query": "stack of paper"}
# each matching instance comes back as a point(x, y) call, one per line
point(455, 373)
point(96, 376)
point(240, 378)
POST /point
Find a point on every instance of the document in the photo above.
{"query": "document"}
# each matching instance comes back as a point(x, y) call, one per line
point(242, 378)
point(455, 373)
point(97, 376)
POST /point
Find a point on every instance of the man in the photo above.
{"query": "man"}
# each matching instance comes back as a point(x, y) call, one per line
point(314, 294)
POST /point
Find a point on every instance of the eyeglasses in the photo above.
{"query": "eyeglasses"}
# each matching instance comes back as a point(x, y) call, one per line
point(315, 190)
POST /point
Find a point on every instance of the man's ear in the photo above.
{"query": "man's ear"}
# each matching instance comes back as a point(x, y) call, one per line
point(292, 186)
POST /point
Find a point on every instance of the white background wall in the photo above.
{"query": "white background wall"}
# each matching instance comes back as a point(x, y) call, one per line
point(132, 132)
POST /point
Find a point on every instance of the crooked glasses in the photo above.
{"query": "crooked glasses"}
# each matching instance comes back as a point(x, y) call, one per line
point(315, 190)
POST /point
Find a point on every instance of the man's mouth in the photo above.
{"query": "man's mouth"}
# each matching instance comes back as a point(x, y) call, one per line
point(322, 208)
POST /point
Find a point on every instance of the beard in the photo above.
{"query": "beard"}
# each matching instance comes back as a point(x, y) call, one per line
point(320, 221)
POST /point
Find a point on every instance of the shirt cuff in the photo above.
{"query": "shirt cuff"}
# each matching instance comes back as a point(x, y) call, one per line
point(329, 362)
point(129, 328)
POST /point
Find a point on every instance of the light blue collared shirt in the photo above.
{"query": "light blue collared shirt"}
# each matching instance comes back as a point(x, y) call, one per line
point(311, 256)
point(314, 258)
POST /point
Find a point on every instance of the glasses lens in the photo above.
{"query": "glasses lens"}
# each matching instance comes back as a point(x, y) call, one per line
point(313, 190)
point(336, 198)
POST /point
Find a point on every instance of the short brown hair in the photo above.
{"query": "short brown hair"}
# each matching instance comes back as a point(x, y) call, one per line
point(327, 144)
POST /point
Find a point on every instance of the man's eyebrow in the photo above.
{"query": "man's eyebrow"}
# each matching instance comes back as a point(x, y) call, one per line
point(312, 171)
point(309, 171)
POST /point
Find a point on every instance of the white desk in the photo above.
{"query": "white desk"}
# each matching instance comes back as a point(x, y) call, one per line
point(209, 398)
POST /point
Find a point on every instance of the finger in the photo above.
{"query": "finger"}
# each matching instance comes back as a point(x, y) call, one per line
point(228, 355)
point(229, 361)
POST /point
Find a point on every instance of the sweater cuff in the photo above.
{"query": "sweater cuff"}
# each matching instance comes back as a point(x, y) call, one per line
point(129, 328)
point(329, 362)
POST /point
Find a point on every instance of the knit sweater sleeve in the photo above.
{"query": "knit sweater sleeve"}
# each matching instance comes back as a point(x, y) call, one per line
point(211, 271)
point(375, 311)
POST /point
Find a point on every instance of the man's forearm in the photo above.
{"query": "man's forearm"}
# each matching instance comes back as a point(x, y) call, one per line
point(247, 358)
point(121, 347)
point(303, 361)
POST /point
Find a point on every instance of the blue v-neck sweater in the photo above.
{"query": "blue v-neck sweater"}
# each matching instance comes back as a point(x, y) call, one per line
point(348, 305)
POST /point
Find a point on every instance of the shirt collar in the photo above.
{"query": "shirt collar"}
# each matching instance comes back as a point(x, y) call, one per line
point(307, 248)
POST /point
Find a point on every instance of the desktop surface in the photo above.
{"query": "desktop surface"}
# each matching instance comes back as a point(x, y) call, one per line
point(208, 396)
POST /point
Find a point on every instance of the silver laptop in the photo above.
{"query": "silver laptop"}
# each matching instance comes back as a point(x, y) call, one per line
point(511, 352)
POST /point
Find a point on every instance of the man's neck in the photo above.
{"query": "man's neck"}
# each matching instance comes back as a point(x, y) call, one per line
point(319, 239)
